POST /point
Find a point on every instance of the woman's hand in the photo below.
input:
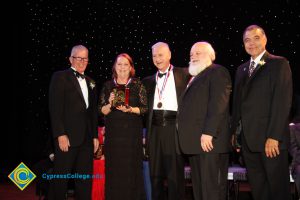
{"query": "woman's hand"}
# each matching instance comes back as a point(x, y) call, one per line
point(107, 108)
point(127, 109)
point(111, 98)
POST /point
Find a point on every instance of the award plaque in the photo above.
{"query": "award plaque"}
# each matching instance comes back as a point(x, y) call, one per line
point(121, 96)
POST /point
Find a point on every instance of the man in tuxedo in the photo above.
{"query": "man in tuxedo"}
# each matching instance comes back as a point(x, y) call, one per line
point(163, 90)
point(261, 106)
point(73, 113)
point(203, 123)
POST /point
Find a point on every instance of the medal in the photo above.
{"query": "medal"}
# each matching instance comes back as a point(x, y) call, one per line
point(159, 105)
point(160, 91)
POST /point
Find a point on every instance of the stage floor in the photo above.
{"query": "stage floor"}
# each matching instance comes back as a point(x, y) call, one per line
point(9, 191)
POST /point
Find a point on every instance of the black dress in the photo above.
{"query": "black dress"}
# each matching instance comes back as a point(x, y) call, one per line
point(123, 145)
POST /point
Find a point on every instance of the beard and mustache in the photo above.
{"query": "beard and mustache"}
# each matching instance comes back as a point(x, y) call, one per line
point(195, 67)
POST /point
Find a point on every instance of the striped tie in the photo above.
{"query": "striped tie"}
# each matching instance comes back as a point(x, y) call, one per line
point(251, 68)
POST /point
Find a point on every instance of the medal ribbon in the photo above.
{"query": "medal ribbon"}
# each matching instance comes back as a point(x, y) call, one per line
point(128, 81)
point(160, 91)
point(190, 81)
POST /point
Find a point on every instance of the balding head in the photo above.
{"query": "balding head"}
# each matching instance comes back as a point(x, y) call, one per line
point(202, 56)
point(161, 56)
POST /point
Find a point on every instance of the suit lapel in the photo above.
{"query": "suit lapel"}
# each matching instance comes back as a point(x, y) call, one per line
point(187, 88)
point(243, 75)
point(90, 90)
point(152, 91)
point(76, 84)
point(195, 80)
point(191, 84)
point(258, 67)
point(245, 80)
point(177, 81)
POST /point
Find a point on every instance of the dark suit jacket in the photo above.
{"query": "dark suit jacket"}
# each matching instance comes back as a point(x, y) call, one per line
point(67, 107)
point(181, 77)
point(262, 102)
point(205, 109)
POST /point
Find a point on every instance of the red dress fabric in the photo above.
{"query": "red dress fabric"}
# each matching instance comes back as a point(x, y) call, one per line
point(99, 171)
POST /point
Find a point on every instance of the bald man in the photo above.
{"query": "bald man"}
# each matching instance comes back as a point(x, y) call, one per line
point(164, 89)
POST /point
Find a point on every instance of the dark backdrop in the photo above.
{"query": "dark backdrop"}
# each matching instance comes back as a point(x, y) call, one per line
point(46, 31)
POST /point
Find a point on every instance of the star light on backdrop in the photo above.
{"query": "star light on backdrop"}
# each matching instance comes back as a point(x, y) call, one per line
point(110, 27)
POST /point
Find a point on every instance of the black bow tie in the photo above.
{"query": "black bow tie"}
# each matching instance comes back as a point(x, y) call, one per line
point(78, 75)
point(161, 74)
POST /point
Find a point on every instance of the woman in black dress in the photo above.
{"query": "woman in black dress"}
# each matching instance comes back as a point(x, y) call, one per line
point(123, 127)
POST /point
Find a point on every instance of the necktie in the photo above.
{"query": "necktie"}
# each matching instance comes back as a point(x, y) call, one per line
point(78, 75)
point(161, 74)
point(251, 68)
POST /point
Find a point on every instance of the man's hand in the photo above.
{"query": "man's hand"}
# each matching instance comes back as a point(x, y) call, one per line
point(272, 148)
point(63, 143)
point(206, 142)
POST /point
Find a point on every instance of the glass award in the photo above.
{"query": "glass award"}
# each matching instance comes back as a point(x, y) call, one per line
point(121, 96)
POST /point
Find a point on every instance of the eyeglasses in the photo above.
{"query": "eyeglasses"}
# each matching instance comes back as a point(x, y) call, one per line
point(80, 59)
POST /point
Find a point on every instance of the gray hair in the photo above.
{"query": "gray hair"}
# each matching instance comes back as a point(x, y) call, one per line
point(253, 27)
point(77, 48)
point(209, 49)
point(160, 44)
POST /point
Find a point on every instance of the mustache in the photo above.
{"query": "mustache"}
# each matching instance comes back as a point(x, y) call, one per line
point(197, 66)
point(194, 62)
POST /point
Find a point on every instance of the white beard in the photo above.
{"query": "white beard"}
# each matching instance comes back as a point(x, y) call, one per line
point(196, 67)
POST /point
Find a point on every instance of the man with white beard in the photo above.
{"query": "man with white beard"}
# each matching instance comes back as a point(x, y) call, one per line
point(203, 123)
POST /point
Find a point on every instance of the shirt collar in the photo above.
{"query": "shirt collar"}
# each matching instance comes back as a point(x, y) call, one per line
point(165, 71)
point(257, 59)
point(75, 69)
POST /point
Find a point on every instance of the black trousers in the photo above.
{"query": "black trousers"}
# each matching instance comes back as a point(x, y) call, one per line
point(209, 175)
point(165, 163)
point(269, 178)
point(76, 160)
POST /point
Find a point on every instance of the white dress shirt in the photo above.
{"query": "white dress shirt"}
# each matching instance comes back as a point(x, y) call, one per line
point(168, 97)
point(84, 89)
point(257, 59)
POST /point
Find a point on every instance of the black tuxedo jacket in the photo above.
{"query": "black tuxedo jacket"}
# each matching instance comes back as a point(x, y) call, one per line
point(262, 102)
point(67, 107)
point(181, 77)
point(204, 108)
